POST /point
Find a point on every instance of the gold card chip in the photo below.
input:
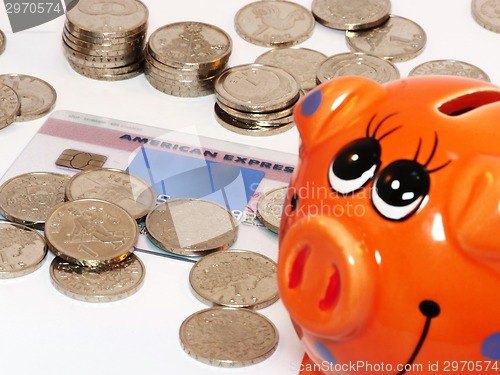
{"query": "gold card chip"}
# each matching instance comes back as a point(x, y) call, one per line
point(80, 160)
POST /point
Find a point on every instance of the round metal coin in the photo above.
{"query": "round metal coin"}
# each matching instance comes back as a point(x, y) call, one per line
point(270, 207)
point(486, 13)
point(115, 18)
point(103, 284)
point(272, 23)
point(191, 227)
point(228, 337)
point(3, 41)
point(22, 250)
point(190, 45)
point(10, 105)
point(29, 198)
point(256, 88)
point(235, 278)
point(398, 39)
point(37, 96)
point(357, 64)
point(126, 190)
point(302, 63)
point(351, 14)
point(91, 232)
point(449, 68)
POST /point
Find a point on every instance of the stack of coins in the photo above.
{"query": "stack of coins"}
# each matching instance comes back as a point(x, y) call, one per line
point(106, 41)
point(256, 99)
point(184, 58)
point(90, 224)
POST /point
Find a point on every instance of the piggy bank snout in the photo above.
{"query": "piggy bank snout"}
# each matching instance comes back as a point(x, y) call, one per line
point(325, 276)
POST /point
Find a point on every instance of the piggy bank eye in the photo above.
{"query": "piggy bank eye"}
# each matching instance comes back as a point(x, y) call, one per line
point(354, 165)
point(400, 189)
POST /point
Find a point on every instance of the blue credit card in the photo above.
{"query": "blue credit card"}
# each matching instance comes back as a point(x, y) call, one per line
point(183, 176)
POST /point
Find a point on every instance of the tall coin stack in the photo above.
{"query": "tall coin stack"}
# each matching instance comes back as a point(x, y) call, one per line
point(256, 99)
point(105, 41)
point(184, 58)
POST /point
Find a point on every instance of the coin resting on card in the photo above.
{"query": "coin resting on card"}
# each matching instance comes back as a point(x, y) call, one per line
point(235, 278)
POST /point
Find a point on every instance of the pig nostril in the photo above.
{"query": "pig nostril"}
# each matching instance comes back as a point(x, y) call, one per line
point(295, 276)
point(429, 308)
point(332, 291)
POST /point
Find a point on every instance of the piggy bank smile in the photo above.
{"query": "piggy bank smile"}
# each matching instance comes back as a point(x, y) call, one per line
point(388, 253)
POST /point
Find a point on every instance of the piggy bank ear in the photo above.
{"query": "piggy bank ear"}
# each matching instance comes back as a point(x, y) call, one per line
point(333, 106)
point(475, 208)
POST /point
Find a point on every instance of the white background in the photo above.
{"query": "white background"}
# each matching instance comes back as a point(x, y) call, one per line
point(44, 332)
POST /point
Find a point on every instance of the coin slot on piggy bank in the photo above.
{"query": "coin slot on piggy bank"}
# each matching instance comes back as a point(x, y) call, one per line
point(388, 257)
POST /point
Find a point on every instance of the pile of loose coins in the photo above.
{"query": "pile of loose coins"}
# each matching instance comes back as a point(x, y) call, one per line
point(183, 58)
point(24, 98)
point(256, 99)
point(90, 225)
point(235, 283)
point(106, 42)
point(230, 333)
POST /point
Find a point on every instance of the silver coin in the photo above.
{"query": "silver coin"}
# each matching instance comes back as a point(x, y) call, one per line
point(104, 284)
point(101, 17)
point(487, 14)
point(272, 23)
point(22, 250)
point(29, 198)
point(190, 45)
point(10, 105)
point(191, 227)
point(228, 337)
point(357, 64)
point(398, 39)
point(256, 88)
point(3, 42)
point(91, 232)
point(126, 190)
point(37, 96)
point(245, 128)
point(236, 278)
point(449, 68)
point(302, 63)
point(351, 14)
point(270, 207)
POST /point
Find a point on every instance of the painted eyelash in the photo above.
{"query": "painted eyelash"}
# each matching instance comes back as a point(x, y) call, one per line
point(377, 127)
point(431, 156)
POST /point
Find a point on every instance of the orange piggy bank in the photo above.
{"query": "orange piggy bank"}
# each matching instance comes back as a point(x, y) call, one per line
point(389, 259)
